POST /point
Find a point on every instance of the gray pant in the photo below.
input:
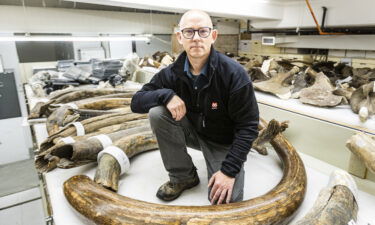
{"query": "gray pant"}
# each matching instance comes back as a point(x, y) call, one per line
point(173, 137)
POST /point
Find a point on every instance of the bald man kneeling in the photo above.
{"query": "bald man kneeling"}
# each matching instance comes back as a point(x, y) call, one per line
point(206, 101)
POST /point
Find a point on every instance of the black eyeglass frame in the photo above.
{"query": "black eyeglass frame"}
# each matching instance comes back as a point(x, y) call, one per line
point(196, 30)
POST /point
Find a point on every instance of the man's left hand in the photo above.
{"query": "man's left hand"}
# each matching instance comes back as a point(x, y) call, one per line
point(222, 187)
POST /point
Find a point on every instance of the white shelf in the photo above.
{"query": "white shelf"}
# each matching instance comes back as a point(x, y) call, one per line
point(340, 115)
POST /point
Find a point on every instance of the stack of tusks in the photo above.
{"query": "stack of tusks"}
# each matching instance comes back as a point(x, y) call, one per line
point(70, 95)
point(66, 148)
point(90, 125)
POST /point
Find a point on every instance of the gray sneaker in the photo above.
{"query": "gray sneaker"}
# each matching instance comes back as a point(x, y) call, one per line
point(170, 191)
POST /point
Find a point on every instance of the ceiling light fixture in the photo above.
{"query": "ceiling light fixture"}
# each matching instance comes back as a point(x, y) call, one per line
point(41, 38)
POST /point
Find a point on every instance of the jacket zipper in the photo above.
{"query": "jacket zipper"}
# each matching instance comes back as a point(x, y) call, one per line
point(209, 82)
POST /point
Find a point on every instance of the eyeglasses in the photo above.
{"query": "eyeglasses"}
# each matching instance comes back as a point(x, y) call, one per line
point(189, 33)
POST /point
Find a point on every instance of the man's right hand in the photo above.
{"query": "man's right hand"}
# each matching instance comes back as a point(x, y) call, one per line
point(177, 108)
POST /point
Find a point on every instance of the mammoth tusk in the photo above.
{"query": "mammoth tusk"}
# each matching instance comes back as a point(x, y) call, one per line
point(275, 207)
point(267, 134)
point(336, 204)
point(108, 171)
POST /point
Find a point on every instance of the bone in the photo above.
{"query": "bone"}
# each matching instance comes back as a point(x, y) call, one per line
point(320, 93)
point(36, 111)
point(362, 76)
point(299, 83)
point(257, 75)
point(362, 101)
point(345, 91)
point(276, 85)
point(363, 146)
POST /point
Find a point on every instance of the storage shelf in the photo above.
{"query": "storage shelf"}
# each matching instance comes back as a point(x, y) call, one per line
point(341, 115)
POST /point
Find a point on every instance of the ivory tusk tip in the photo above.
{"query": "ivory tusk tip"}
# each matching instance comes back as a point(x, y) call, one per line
point(341, 177)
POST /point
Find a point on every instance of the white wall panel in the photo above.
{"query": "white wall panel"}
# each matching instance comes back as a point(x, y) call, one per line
point(259, 9)
point(160, 43)
point(340, 13)
point(15, 140)
point(78, 45)
point(53, 20)
point(353, 42)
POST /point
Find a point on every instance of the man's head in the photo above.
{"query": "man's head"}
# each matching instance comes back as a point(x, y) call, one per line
point(196, 33)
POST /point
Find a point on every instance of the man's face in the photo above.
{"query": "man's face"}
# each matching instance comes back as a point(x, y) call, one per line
point(197, 46)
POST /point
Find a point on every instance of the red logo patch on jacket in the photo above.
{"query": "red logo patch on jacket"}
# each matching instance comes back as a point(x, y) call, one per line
point(214, 105)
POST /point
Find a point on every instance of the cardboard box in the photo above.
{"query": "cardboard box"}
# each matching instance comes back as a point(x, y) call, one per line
point(245, 36)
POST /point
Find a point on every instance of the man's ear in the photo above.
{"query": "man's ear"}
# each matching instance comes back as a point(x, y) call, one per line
point(214, 34)
point(179, 37)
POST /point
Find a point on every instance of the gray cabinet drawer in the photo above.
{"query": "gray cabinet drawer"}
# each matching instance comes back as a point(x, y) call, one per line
point(9, 103)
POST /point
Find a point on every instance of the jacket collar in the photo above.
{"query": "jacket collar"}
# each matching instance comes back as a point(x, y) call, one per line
point(188, 72)
point(179, 64)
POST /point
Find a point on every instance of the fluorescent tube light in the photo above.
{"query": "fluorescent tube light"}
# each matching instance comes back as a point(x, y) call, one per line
point(76, 38)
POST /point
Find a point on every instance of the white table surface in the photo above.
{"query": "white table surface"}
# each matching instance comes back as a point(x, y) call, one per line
point(147, 174)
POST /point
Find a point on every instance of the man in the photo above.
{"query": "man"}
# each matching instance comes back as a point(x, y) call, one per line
point(206, 101)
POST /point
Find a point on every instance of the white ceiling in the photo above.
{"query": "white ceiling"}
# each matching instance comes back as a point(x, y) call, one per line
point(244, 9)
point(71, 5)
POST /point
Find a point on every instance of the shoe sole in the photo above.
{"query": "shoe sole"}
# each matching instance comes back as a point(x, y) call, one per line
point(174, 197)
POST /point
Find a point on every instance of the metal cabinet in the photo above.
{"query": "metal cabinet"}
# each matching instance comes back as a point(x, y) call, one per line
point(9, 102)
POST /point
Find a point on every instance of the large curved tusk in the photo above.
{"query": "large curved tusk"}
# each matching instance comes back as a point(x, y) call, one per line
point(276, 207)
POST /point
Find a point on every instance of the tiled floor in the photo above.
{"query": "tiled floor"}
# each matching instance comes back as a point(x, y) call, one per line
point(20, 198)
point(30, 213)
point(19, 176)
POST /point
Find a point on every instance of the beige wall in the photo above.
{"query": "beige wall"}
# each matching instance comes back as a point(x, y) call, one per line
point(26, 69)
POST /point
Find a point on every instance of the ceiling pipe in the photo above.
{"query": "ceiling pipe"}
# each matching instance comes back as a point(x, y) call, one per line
point(314, 31)
point(319, 29)
point(324, 16)
point(317, 24)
